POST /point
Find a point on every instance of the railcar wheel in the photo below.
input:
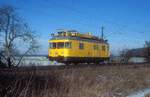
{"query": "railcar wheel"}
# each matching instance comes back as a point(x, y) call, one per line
point(75, 63)
point(67, 63)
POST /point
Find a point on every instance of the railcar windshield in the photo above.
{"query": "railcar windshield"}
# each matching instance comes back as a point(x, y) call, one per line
point(52, 45)
point(60, 45)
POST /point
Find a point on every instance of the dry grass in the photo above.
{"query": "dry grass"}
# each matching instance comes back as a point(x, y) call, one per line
point(91, 81)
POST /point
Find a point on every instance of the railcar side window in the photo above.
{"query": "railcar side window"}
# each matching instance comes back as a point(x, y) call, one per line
point(103, 48)
point(95, 47)
point(107, 48)
point(67, 44)
point(52, 45)
point(60, 45)
point(81, 46)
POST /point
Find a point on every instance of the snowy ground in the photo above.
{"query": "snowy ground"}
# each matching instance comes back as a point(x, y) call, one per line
point(140, 93)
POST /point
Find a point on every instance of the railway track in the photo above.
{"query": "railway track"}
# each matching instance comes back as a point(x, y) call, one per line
point(53, 67)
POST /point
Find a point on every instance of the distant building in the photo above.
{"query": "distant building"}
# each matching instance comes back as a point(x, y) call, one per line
point(132, 56)
point(137, 55)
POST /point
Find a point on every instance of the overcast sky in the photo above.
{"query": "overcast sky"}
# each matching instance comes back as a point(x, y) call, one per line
point(126, 22)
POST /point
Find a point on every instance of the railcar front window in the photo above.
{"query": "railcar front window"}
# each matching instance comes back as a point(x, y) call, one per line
point(60, 45)
point(52, 45)
point(67, 44)
point(81, 46)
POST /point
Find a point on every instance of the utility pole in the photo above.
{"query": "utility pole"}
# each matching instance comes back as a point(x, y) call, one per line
point(102, 32)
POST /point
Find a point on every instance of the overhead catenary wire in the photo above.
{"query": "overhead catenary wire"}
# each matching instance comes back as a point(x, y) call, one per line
point(51, 4)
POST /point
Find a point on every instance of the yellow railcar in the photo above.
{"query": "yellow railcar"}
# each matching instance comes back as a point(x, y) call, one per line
point(73, 47)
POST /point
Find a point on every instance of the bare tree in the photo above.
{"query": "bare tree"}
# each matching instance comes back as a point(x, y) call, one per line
point(13, 31)
point(125, 55)
point(147, 50)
